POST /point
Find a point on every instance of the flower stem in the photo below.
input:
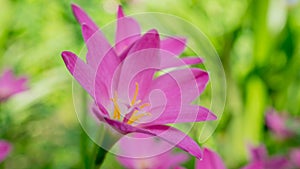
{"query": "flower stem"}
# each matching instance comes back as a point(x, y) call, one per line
point(84, 140)
point(106, 141)
point(99, 157)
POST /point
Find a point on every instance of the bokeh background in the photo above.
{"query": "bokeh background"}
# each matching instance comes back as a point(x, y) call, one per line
point(257, 41)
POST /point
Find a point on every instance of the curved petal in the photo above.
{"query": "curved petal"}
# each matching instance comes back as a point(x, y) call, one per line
point(166, 133)
point(83, 18)
point(139, 67)
point(167, 62)
point(192, 60)
point(130, 146)
point(121, 127)
point(5, 149)
point(181, 86)
point(175, 45)
point(98, 47)
point(85, 76)
point(148, 40)
point(202, 78)
point(104, 62)
point(177, 138)
point(79, 70)
point(191, 113)
point(128, 31)
point(155, 154)
point(210, 160)
point(99, 111)
point(163, 161)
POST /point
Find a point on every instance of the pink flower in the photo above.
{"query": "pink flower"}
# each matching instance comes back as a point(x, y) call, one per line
point(148, 146)
point(211, 160)
point(10, 85)
point(123, 81)
point(278, 123)
point(5, 149)
point(261, 160)
point(295, 157)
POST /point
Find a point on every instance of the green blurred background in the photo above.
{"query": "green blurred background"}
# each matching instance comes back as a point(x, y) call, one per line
point(257, 41)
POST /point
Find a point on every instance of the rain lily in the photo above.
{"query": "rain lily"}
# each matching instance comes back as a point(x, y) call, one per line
point(281, 124)
point(295, 157)
point(122, 79)
point(211, 160)
point(164, 160)
point(261, 160)
point(10, 85)
point(5, 149)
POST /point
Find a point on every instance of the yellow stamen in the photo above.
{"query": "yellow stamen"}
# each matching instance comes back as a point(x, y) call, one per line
point(117, 112)
point(144, 105)
point(135, 94)
point(135, 118)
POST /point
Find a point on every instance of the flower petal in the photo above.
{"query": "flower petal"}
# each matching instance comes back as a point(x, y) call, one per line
point(167, 62)
point(155, 153)
point(177, 138)
point(139, 67)
point(277, 124)
point(175, 45)
point(172, 160)
point(259, 156)
point(130, 146)
point(5, 149)
point(148, 40)
point(104, 61)
point(166, 133)
point(83, 18)
point(181, 86)
point(10, 85)
point(278, 162)
point(123, 128)
point(98, 47)
point(258, 153)
point(210, 160)
point(128, 31)
point(80, 71)
point(190, 113)
point(192, 60)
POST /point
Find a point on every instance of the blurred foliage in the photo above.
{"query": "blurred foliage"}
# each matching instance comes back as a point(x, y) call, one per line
point(258, 43)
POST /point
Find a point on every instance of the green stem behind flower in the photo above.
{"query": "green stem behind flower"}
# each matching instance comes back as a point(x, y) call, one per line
point(83, 136)
point(107, 139)
point(100, 156)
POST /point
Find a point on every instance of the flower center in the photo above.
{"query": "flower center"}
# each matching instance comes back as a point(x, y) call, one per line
point(135, 110)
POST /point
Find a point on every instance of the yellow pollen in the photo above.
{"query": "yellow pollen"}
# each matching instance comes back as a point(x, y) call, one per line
point(135, 118)
point(144, 105)
point(135, 94)
point(117, 112)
